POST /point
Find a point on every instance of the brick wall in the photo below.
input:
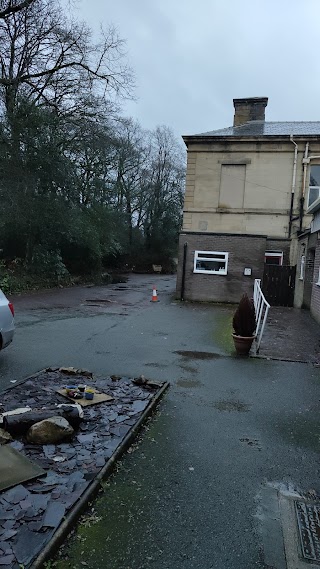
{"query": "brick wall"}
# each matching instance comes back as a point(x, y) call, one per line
point(280, 245)
point(244, 251)
point(315, 295)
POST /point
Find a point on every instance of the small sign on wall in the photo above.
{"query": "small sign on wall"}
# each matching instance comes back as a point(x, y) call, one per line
point(247, 272)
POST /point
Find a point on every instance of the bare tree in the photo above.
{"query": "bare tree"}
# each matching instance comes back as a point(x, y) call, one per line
point(50, 60)
point(8, 7)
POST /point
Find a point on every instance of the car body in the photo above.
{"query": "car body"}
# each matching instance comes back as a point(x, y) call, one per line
point(6, 321)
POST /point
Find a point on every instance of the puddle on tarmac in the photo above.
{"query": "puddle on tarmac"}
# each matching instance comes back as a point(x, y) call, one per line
point(156, 365)
point(188, 368)
point(197, 355)
point(188, 383)
point(231, 405)
point(301, 431)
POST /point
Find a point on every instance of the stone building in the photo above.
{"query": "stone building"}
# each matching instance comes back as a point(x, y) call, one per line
point(246, 202)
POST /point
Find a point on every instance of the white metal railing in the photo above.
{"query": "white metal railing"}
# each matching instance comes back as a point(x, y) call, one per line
point(262, 308)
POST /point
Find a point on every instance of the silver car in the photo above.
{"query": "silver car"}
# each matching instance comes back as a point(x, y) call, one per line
point(6, 321)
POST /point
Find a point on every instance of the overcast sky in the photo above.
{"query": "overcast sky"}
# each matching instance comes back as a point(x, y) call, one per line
point(191, 58)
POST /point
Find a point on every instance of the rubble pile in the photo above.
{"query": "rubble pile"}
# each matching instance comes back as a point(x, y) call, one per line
point(30, 512)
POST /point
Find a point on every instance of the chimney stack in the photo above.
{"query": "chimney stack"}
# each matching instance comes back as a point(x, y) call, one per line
point(250, 109)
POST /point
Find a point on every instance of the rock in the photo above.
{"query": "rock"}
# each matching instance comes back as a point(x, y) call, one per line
point(4, 437)
point(49, 431)
point(75, 371)
point(153, 384)
point(141, 380)
point(115, 377)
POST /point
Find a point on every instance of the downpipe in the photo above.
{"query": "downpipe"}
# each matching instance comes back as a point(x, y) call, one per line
point(293, 187)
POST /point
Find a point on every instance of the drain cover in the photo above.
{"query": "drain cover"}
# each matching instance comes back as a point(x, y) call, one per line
point(308, 517)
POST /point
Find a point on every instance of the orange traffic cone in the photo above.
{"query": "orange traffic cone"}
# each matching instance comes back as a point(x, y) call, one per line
point(154, 295)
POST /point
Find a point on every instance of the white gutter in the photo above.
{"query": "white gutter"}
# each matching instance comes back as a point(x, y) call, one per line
point(294, 174)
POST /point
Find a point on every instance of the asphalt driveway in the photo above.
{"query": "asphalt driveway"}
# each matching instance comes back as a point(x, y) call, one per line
point(191, 494)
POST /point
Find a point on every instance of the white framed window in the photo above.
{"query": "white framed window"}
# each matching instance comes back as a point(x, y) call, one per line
point(302, 266)
point(314, 184)
point(318, 281)
point(273, 257)
point(211, 262)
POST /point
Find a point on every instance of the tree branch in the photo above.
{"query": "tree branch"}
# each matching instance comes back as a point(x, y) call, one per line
point(13, 9)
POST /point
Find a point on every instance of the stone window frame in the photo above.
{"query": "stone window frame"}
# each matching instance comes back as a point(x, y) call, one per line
point(221, 256)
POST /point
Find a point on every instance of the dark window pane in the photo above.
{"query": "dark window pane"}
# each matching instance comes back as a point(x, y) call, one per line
point(211, 256)
point(202, 265)
point(313, 195)
point(315, 175)
point(272, 260)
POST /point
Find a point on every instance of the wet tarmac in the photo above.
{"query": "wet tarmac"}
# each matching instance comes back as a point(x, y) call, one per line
point(189, 495)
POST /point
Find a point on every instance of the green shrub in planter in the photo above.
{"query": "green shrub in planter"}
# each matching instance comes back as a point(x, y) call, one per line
point(244, 319)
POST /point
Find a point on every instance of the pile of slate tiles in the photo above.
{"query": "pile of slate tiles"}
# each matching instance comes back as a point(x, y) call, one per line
point(31, 512)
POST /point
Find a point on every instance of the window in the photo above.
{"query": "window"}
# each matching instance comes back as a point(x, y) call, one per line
point(211, 262)
point(232, 186)
point(302, 266)
point(273, 258)
point(318, 281)
point(314, 185)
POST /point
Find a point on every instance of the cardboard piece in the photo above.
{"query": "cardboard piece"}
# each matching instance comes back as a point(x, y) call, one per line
point(16, 468)
point(98, 398)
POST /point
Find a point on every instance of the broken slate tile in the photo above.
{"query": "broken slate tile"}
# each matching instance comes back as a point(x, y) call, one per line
point(16, 494)
point(30, 513)
point(6, 515)
point(54, 478)
point(39, 502)
point(122, 418)
point(20, 515)
point(8, 534)
point(54, 514)
point(56, 494)
point(131, 421)
point(28, 544)
point(35, 526)
point(17, 445)
point(115, 431)
point(86, 438)
point(138, 406)
point(124, 429)
point(6, 560)
point(100, 461)
point(42, 489)
point(112, 416)
point(8, 524)
point(25, 504)
point(49, 450)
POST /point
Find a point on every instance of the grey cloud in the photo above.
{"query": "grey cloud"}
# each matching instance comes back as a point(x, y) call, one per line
point(192, 58)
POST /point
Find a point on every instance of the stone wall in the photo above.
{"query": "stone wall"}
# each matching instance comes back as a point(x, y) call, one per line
point(267, 189)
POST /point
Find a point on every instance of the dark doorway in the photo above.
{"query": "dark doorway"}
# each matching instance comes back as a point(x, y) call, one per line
point(278, 284)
